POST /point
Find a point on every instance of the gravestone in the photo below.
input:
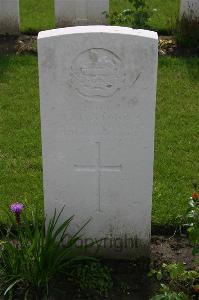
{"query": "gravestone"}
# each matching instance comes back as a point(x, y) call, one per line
point(190, 9)
point(97, 92)
point(9, 16)
point(80, 12)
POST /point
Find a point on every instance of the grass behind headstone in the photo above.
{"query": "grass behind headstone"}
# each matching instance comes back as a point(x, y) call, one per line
point(20, 151)
point(36, 15)
point(39, 15)
point(176, 140)
point(177, 131)
point(164, 13)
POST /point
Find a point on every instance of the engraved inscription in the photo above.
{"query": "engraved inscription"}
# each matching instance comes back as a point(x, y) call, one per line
point(98, 168)
point(98, 72)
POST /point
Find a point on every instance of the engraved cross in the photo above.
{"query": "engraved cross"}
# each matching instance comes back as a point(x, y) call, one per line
point(98, 168)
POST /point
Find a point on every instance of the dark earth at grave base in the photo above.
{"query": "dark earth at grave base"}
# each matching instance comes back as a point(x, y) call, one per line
point(130, 280)
point(27, 44)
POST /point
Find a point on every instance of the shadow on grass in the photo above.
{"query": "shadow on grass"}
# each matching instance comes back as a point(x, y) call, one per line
point(192, 66)
point(5, 62)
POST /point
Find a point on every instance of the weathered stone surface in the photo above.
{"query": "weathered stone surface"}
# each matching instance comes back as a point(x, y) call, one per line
point(80, 12)
point(9, 16)
point(97, 91)
point(190, 8)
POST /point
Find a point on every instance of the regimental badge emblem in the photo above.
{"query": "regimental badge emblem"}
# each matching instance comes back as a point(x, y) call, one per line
point(98, 72)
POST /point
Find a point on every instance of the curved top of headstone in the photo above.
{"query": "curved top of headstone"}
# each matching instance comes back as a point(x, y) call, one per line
point(98, 29)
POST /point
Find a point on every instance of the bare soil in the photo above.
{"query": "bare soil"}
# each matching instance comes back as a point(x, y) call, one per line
point(23, 44)
point(130, 279)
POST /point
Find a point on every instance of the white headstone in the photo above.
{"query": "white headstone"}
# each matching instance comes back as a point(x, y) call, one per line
point(190, 9)
point(80, 12)
point(9, 16)
point(97, 91)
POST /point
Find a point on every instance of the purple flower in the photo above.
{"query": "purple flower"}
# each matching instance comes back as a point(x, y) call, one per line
point(17, 208)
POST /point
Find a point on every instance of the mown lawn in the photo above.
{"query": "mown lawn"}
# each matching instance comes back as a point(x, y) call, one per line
point(36, 15)
point(20, 151)
point(176, 147)
point(39, 15)
point(177, 131)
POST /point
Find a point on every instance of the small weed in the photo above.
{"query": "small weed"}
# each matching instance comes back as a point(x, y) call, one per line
point(193, 221)
point(136, 17)
point(124, 287)
point(175, 274)
point(92, 277)
point(167, 294)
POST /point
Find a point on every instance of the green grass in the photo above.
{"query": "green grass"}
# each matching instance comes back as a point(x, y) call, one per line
point(164, 18)
point(176, 147)
point(20, 151)
point(36, 15)
point(177, 131)
point(39, 15)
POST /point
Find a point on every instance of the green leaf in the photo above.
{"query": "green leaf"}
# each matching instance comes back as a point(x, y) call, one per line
point(11, 286)
point(159, 275)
